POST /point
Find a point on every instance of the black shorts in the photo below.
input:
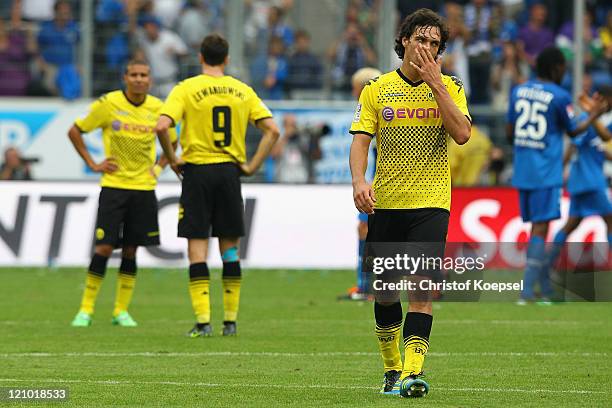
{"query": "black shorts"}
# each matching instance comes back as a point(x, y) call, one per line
point(414, 225)
point(415, 233)
point(211, 202)
point(127, 217)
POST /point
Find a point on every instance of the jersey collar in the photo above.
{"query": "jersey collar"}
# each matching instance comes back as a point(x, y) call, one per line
point(409, 82)
point(132, 103)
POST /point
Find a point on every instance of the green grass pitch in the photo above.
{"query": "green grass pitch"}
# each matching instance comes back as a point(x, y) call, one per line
point(296, 346)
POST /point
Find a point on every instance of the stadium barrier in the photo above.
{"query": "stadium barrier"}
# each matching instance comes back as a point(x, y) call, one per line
point(288, 226)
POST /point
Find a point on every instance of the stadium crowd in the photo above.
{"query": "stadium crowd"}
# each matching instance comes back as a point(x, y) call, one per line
point(491, 42)
point(492, 48)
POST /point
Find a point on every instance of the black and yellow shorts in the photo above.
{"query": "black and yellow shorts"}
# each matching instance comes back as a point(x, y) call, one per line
point(211, 202)
point(127, 218)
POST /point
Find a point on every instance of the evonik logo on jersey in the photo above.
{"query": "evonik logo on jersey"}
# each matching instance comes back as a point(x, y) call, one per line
point(388, 113)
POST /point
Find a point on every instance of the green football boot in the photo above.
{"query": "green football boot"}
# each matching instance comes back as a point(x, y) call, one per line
point(82, 319)
point(124, 319)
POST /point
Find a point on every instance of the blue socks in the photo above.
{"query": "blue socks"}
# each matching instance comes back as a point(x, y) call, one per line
point(536, 252)
point(362, 281)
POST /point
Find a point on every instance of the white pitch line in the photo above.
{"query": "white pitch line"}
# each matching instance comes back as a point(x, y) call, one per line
point(283, 354)
point(287, 386)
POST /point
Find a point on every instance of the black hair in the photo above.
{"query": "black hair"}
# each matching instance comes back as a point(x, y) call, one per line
point(421, 18)
point(214, 49)
point(548, 61)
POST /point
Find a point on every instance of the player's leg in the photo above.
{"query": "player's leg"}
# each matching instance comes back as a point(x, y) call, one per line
point(126, 281)
point(194, 224)
point(111, 209)
point(428, 228)
point(232, 277)
point(388, 314)
point(228, 225)
point(199, 286)
point(561, 237)
point(140, 228)
point(540, 207)
point(362, 279)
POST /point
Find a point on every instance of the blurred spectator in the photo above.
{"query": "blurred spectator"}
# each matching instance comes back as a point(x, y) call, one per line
point(605, 36)
point(115, 25)
point(507, 73)
point(269, 72)
point(161, 47)
point(479, 23)
point(37, 10)
point(57, 42)
point(535, 36)
point(16, 48)
point(455, 60)
point(167, 11)
point(257, 19)
point(495, 170)
point(14, 167)
point(349, 54)
point(193, 25)
point(291, 153)
point(592, 47)
point(274, 27)
point(365, 15)
point(406, 7)
point(305, 68)
point(468, 161)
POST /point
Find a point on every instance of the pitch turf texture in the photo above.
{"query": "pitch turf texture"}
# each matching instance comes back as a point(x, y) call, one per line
point(297, 346)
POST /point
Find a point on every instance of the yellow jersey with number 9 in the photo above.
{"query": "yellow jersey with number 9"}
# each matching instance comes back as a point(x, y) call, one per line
point(214, 113)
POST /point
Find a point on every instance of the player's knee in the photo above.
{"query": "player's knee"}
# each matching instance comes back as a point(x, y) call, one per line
point(362, 230)
point(128, 252)
point(98, 264)
point(230, 255)
point(104, 250)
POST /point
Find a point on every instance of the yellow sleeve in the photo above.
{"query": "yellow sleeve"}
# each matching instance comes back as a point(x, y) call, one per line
point(174, 106)
point(365, 119)
point(172, 134)
point(457, 93)
point(95, 118)
point(257, 109)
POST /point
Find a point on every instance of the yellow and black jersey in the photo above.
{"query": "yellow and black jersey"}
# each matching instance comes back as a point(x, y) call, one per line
point(128, 132)
point(214, 113)
point(412, 169)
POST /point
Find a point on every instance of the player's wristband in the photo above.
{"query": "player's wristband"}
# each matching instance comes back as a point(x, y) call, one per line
point(157, 169)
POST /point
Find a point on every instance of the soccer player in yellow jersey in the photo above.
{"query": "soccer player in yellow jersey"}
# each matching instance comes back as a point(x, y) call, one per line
point(411, 111)
point(214, 110)
point(127, 211)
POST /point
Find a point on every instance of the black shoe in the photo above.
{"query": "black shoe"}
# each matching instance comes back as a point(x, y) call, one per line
point(200, 330)
point(389, 382)
point(229, 328)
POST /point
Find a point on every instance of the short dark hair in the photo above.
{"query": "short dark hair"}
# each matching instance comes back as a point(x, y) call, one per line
point(135, 61)
point(421, 18)
point(214, 49)
point(547, 61)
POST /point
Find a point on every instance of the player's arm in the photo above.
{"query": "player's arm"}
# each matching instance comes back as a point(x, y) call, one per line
point(94, 119)
point(164, 123)
point(270, 135)
point(455, 122)
point(567, 155)
point(363, 195)
point(595, 109)
point(589, 105)
point(162, 162)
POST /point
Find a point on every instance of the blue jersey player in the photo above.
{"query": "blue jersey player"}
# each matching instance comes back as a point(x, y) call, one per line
point(539, 113)
point(361, 291)
point(587, 183)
